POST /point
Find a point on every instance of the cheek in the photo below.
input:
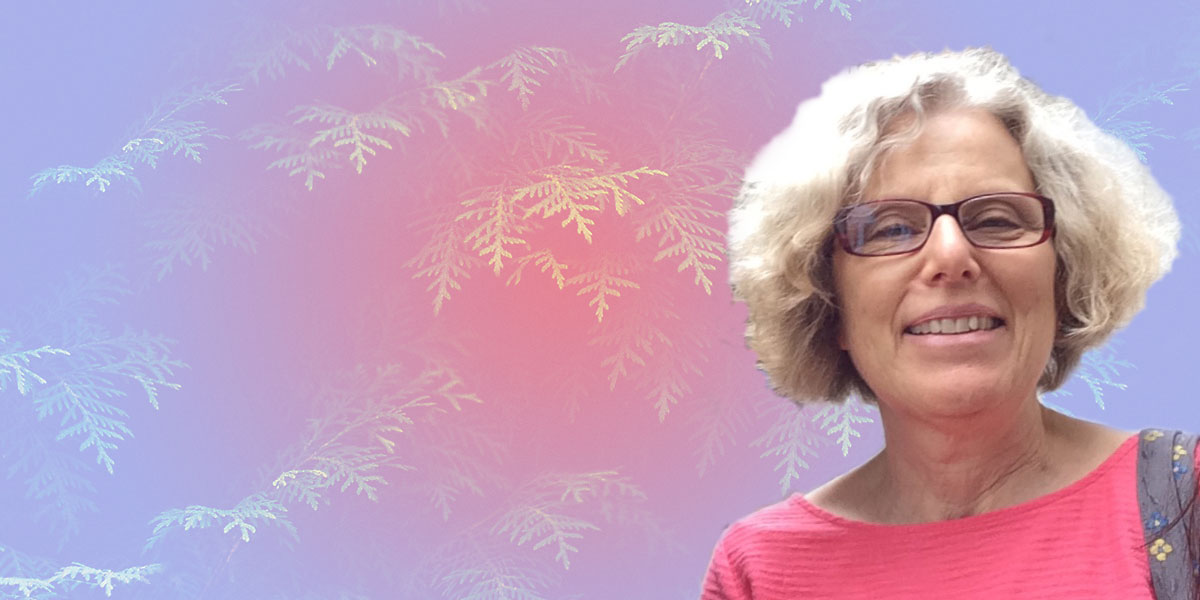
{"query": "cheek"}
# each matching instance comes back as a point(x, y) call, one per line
point(1044, 285)
point(840, 297)
point(1031, 290)
point(866, 302)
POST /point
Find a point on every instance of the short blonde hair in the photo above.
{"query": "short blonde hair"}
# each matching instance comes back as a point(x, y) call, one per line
point(1116, 230)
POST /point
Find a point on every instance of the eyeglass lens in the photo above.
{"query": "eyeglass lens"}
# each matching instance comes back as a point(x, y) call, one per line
point(894, 226)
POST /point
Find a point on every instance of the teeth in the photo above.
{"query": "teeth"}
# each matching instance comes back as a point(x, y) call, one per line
point(951, 326)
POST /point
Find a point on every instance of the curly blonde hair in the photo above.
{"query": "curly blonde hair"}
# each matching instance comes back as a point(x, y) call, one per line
point(1116, 230)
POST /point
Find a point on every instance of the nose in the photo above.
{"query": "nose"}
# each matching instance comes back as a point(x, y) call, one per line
point(948, 254)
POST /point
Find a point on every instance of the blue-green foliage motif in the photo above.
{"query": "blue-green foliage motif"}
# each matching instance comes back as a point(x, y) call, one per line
point(454, 457)
point(1113, 115)
point(1098, 369)
point(72, 577)
point(785, 10)
point(14, 365)
point(790, 438)
point(717, 34)
point(352, 135)
point(362, 132)
point(541, 514)
point(300, 158)
point(484, 569)
point(325, 136)
point(354, 441)
point(102, 174)
point(703, 173)
point(715, 425)
point(82, 374)
point(161, 133)
point(495, 578)
point(841, 420)
point(58, 479)
point(190, 233)
point(740, 24)
point(794, 434)
point(246, 517)
point(277, 48)
point(374, 44)
point(359, 435)
point(100, 369)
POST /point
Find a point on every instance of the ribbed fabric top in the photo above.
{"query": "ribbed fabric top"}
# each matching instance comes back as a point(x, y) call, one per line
point(1083, 541)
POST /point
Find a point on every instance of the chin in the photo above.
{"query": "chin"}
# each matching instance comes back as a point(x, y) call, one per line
point(953, 396)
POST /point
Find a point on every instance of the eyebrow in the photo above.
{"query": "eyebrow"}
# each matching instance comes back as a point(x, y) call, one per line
point(975, 191)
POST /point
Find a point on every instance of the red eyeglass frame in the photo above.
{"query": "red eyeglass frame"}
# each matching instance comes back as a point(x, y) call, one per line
point(937, 210)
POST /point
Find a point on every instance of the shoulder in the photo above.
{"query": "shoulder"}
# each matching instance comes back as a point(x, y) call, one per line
point(776, 544)
point(1081, 440)
point(782, 520)
point(841, 496)
point(1076, 449)
point(782, 514)
point(1099, 441)
point(748, 553)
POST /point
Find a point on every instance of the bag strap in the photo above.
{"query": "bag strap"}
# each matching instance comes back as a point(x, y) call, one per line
point(1166, 489)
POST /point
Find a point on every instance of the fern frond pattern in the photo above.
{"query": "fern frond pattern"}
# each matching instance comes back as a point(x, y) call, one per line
point(99, 369)
point(243, 519)
point(190, 233)
point(543, 516)
point(163, 132)
point(790, 439)
point(362, 133)
point(717, 35)
point(520, 69)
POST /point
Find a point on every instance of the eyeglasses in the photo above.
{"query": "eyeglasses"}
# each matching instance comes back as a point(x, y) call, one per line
point(886, 227)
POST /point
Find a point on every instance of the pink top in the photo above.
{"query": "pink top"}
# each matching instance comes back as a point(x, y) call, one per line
point(1083, 541)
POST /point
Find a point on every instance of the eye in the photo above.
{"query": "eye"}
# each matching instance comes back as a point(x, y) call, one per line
point(891, 231)
point(995, 222)
point(1001, 214)
point(883, 226)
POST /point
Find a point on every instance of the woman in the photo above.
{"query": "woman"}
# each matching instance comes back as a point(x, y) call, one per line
point(943, 239)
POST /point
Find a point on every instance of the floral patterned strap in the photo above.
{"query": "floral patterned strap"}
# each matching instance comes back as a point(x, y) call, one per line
point(1166, 484)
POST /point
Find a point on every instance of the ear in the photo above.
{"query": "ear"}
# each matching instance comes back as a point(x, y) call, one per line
point(841, 336)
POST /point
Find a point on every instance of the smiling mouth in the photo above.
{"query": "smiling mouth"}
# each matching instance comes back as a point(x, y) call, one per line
point(955, 326)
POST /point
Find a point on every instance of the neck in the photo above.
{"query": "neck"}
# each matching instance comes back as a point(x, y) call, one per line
point(953, 467)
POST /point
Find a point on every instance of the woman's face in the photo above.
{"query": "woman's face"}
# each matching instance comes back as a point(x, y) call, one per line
point(960, 153)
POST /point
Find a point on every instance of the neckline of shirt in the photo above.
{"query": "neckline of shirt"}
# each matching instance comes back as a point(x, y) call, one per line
point(987, 518)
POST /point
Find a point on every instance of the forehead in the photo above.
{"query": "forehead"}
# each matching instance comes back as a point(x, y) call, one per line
point(956, 153)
